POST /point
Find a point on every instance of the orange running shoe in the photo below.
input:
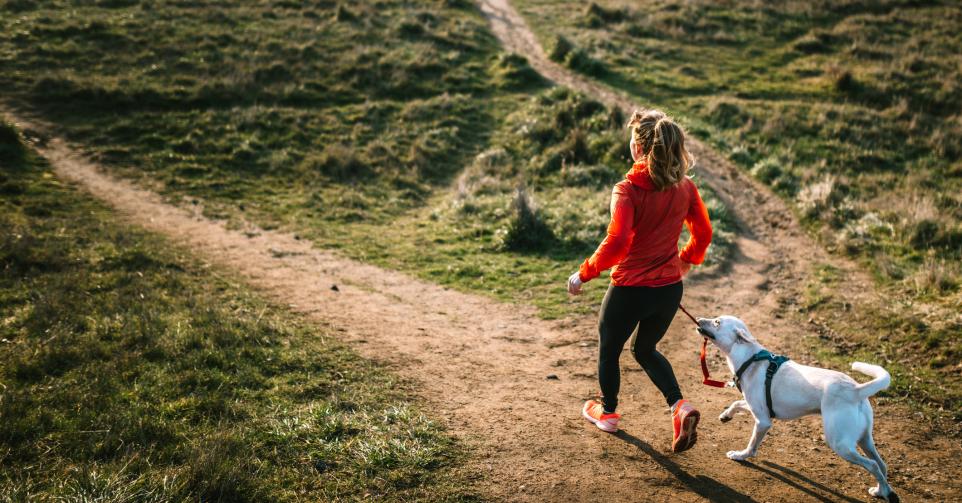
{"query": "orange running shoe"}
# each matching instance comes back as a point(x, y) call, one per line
point(594, 411)
point(684, 420)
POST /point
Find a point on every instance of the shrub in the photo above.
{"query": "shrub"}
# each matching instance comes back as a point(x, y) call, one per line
point(814, 43)
point(933, 276)
point(816, 198)
point(11, 144)
point(597, 16)
point(559, 49)
point(580, 61)
point(343, 14)
point(844, 82)
point(933, 233)
point(863, 233)
point(767, 169)
point(512, 71)
point(526, 231)
point(337, 162)
point(726, 114)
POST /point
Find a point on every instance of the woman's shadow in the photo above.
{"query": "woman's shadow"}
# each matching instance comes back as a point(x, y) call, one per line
point(705, 487)
point(714, 490)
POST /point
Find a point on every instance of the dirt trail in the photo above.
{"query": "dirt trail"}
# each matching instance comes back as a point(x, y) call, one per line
point(482, 366)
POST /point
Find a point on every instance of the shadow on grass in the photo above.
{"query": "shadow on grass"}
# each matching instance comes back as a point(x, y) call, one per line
point(701, 485)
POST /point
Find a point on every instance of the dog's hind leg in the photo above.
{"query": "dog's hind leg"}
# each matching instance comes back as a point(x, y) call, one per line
point(868, 446)
point(867, 443)
point(882, 490)
point(844, 427)
point(737, 405)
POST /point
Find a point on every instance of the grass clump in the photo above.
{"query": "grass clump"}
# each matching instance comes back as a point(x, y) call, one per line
point(563, 51)
point(11, 144)
point(526, 229)
point(512, 71)
point(134, 373)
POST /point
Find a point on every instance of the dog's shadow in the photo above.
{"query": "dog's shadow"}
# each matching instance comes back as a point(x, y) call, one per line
point(782, 474)
point(714, 490)
point(705, 487)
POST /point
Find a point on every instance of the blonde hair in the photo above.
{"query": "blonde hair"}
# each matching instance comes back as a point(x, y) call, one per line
point(662, 144)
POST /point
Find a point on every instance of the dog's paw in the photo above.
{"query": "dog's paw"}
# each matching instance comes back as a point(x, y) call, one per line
point(738, 455)
point(724, 418)
point(891, 497)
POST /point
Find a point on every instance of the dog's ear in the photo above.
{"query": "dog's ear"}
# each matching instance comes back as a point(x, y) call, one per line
point(742, 335)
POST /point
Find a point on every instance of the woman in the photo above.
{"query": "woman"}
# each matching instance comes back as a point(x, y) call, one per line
point(647, 212)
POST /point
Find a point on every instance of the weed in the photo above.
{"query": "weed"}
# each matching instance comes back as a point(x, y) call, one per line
point(526, 230)
point(559, 49)
point(512, 71)
point(11, 145)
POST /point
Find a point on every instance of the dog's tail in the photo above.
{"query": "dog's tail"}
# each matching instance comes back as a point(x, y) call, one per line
point(881, 381)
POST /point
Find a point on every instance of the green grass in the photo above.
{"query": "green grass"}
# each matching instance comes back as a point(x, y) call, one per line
point(130, 371)
point(397, 132)
point(848, 110)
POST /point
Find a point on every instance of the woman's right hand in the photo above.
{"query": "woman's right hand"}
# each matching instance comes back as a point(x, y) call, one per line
point(574, 283)
point(685, 268)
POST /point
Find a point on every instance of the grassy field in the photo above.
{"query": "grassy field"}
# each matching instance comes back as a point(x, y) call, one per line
point(130, 371)
point(395, 131)
point(849, 110)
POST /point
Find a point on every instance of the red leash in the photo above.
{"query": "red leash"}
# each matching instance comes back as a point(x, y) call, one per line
point(704, 348)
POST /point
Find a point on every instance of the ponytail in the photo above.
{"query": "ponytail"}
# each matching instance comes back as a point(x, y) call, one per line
point(663, 145)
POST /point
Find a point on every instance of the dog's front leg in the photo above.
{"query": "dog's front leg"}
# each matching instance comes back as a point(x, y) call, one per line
point(762, 425)
point(736, 406)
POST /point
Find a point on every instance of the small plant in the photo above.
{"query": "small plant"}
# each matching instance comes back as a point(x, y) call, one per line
point(597, 16)
point(770, 171)
point(560, 49)
point(512, 71)
point(935, 275)
point(843, 81)
point(818, 197)
point(343, 14)
point(337, 162)
point(525, 231)
point(11, 144)
point(581, 61)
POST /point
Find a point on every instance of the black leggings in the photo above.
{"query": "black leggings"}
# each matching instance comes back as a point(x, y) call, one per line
point(650, 311)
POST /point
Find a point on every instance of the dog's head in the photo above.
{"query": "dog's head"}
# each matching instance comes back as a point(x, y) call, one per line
point(725, 332)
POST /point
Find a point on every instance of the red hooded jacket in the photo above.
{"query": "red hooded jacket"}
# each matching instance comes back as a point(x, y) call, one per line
point(642, 240)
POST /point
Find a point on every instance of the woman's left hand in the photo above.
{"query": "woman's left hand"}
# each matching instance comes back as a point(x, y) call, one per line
point(574, 284)
point(685, 268)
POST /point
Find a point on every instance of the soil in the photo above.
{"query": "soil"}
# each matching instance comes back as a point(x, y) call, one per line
point(482, 367)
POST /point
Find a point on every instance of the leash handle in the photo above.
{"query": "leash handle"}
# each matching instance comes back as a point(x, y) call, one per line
point(707, 380)
point(704, 368)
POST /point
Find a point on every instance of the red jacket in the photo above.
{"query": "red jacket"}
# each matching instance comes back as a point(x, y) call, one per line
point(642, 240)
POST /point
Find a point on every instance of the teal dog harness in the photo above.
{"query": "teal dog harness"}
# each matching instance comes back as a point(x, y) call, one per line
point(774, 362)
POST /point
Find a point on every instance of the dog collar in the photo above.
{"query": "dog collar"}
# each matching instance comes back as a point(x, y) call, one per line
point(774, 362)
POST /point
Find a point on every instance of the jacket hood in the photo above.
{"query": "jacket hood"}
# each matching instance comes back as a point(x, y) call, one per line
point(639, 176)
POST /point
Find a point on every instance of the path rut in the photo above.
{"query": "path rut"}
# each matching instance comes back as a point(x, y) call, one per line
point(481, 366)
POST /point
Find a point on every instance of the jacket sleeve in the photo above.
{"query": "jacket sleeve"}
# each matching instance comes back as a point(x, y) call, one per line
point(700, 228)
point(616, 244)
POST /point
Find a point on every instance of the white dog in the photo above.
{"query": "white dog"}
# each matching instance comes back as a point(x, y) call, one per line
point(798, 390)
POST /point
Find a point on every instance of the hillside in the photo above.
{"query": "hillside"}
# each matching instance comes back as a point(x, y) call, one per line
point(847, 110)
point(327, 245)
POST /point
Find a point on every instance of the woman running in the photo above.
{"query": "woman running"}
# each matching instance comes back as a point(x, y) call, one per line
point(647, 212)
